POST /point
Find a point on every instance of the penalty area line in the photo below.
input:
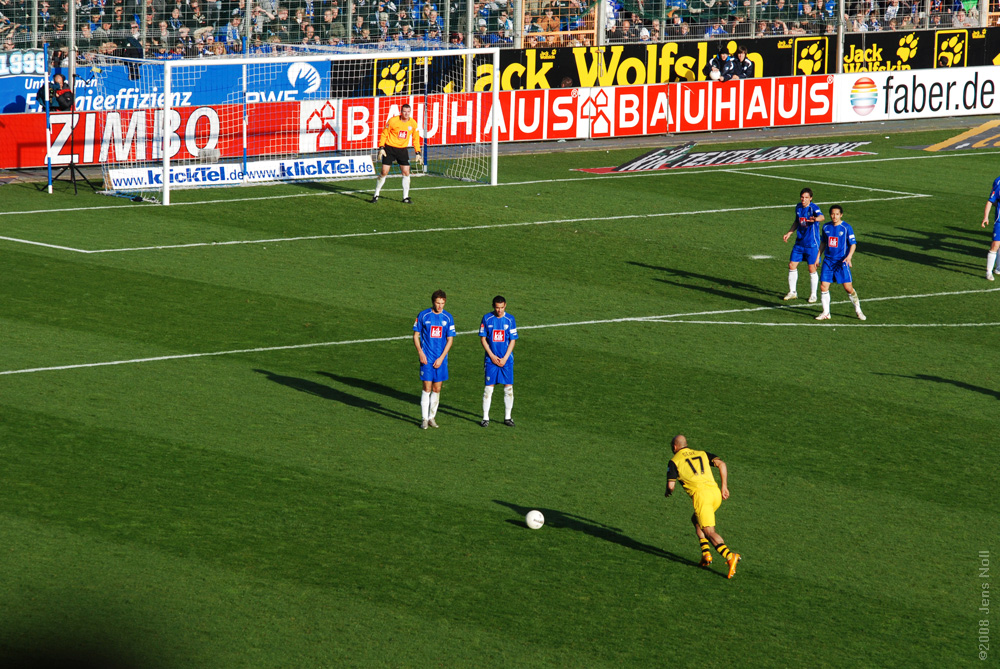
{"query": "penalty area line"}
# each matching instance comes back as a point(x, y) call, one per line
point(828, 324)
point(498, 226)
point(663, 318)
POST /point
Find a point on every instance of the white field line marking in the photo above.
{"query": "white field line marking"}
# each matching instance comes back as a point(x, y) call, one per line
point(761, 257)
point(476, 227)
point(828, 324)
point(630, 319)
point(51, 246)
point(825, 183)
point(654, 173)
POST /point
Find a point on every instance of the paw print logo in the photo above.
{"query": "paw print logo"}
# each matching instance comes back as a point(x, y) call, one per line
point(392, 79)
point(811, 59)
point(907, 47)
point(951, 50)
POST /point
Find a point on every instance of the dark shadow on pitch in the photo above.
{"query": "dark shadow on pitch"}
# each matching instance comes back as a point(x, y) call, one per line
point(691, 280)
point(328, 393)
point(951, 382)
point(922, 248)
point(399, 395)
point(594, 528)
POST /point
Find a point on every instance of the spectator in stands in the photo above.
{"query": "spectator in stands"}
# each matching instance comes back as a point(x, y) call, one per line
point(85, 42)
point(684, 31)
point(175, 22)
point(335, 27)
point(742, 66)
point(433, 35)
point(104, 32)
point(359, 25)
point(655, 33)
point(197, 19)
point(721, 67)
point(780, 10)
point(505, 27)
point(456, 40)
point(232, 33)
point(962, 20)
point(549, 23)
point(715, 29)
point(891, 10)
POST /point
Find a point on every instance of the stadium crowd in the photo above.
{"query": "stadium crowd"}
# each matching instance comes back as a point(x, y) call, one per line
point(203, 28)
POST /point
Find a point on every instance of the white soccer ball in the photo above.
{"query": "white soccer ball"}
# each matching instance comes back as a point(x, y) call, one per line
point(714, 75)
point(534, 520)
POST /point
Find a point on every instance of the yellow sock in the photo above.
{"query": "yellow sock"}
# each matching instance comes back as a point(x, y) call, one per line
point(723, 551)
point(706, 550)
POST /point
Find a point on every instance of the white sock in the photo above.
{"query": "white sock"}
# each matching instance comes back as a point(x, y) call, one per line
point(824, 299)
point(991, 261)
point(813, 283)
point(425, 404)
point(379, 182)
point(793, 280)
point(435, 400)
point(508, 401)
point(487, 400)
point(856, 301)
point(406, 187)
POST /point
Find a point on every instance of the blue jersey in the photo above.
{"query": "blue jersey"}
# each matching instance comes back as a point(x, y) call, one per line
point(499, 332)
point(807, 234)
point(995, 199)
point(434, 331)
point(838, 240)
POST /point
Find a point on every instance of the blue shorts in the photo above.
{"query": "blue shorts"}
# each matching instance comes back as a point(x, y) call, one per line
point(809, 254)
point(996, 231)
point(835, 271)
point(428, 373)
point(495, 375)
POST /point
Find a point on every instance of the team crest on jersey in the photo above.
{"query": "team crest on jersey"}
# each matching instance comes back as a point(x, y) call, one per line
point(499, 335)
point(435, 332)
point(833, 242)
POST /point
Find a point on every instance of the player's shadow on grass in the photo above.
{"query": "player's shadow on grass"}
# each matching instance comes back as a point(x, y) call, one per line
point(952, 382)
point(328, 393)
point(928, 243)
point(570, 521)
point(687, 279)
point(340, 189)
point(388, 391)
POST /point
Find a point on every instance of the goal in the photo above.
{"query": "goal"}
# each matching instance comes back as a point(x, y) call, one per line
point(295, 117)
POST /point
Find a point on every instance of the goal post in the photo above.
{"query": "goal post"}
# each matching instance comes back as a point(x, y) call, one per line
point(314, 116)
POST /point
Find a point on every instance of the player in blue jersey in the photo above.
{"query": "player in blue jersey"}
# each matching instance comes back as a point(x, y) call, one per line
point(433, 334)
point(498, 334)
point(991, 257)
point(806, 227)
point(838, 246)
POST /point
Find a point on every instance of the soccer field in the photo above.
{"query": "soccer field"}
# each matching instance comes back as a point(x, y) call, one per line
point(210, 421)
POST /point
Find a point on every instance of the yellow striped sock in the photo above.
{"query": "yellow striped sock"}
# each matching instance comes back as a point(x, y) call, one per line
point(705, 548)
point(723, 551)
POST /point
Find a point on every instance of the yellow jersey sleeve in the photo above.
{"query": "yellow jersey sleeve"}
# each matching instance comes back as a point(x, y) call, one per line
point(398, 133)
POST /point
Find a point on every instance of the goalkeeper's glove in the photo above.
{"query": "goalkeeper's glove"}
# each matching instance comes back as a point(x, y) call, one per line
point(417, 154)
point(381, 152)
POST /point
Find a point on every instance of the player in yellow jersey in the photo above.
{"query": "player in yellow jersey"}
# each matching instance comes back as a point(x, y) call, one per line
point(694, 470)
point(392, 147)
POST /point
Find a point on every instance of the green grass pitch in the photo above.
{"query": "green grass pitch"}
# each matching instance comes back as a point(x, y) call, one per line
point(275, 505)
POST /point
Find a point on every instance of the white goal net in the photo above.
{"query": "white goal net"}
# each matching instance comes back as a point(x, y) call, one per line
point(264, 119)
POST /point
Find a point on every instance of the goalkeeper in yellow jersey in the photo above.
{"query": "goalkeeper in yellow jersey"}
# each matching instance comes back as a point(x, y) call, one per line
point(694, 470)
point(392, 147)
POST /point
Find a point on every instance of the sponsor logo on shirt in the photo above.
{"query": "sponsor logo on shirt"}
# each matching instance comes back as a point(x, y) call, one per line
point(402, 134)
point(435, 332)
point(499, 335)
point(833, 242)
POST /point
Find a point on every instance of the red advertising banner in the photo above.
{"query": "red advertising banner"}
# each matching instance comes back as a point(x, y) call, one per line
point(310, 127)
